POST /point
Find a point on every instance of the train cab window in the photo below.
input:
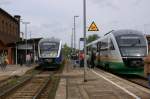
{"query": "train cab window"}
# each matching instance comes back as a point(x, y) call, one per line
point(104, 45)
point(111, 45)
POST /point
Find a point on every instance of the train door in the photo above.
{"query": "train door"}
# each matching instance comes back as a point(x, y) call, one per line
point(107, 54)
point(98, 53)
point(112, 54)
point(104, 52)
point(108, 49)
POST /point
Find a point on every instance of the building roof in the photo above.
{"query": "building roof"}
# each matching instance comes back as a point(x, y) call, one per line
point(3, 11)
point(29, 40)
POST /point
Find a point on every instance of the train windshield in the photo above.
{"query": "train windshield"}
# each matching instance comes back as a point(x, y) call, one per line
point(49, 49)
point(132, 45)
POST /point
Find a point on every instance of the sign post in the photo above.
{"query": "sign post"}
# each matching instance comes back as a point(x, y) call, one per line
point(84, 31)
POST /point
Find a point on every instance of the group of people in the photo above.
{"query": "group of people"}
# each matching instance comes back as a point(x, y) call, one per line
point(28, 59)
point(90, 59)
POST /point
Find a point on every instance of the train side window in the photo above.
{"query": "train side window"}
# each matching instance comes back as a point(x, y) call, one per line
point(104, 46)
point(111, 45)
point(98, 46)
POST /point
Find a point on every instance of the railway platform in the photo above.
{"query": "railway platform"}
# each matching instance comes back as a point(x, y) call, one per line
point(99, 85)
point(12, 70)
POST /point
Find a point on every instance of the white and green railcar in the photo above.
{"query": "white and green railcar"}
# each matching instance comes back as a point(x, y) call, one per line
point(122, 51)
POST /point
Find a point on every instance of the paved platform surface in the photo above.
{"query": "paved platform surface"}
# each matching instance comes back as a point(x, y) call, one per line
point(98, 86)
point(14, 70)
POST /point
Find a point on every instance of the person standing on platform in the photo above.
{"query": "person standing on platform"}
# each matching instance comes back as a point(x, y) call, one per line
point(147, 68)
point(4, 61)
point(28, 58)
point(21, 60)
point(81, 59)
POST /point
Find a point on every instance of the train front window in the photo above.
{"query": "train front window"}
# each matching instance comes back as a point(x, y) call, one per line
point(132, 45)
point(133, 51)
point(49, 49)
point(131, 41)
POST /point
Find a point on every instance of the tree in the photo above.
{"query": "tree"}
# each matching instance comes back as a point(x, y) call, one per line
point(66, 50)
point(91, 38)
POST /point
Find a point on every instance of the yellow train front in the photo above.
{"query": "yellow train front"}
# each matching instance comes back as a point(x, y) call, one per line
point(49, 50)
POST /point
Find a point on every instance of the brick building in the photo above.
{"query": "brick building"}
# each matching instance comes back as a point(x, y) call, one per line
point(9, 34)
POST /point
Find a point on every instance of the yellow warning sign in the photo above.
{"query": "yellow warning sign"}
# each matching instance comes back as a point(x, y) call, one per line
point(93, 27)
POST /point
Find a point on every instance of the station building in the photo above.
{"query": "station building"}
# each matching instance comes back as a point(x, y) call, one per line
point(27, 46)
point(9, 34)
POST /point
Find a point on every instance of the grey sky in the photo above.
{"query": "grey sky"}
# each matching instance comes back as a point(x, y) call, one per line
point(55, 17)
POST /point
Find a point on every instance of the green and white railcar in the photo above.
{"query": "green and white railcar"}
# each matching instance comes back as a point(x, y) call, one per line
point(121, 51)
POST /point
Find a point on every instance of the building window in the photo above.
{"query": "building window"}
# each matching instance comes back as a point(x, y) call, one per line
point(6, 28)
point(2, 25)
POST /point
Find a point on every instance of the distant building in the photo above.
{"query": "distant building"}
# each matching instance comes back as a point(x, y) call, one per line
point(9, 34)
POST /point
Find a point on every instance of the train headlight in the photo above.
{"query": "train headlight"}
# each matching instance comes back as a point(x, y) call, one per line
point(138, 55)
point(49, 60)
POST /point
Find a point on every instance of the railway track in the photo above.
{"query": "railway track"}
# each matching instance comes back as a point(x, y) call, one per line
point(138, 80)
point(4, 81)
point(30, 88)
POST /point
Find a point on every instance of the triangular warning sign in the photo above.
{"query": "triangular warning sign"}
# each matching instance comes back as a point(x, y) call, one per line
point(93, 27)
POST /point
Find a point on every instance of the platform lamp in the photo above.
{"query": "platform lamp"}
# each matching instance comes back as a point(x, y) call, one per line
point(25, 23)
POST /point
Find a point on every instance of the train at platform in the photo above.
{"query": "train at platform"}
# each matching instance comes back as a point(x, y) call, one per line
point(50, 52)
point(121, 51)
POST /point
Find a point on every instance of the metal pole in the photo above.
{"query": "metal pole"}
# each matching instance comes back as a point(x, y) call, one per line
point(75, 33)
point(72, 41)
point(84, 30)
point(34, 50)
point(16, 55)
point(79, 52)
point(26, 37)
point(26, 23)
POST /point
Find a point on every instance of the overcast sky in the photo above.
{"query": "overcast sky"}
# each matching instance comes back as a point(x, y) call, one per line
point(54, 18)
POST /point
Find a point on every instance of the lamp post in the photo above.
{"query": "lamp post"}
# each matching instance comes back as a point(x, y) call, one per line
point(84, 31)
point(26, 23)
point(72, 41)
point(75, 32)
point(16, 54)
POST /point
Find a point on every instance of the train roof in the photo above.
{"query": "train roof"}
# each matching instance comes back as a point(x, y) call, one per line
point(126, 32)
point(118, 33)
point(50, 39)
point(93, 42)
